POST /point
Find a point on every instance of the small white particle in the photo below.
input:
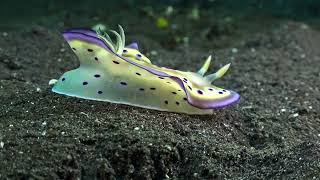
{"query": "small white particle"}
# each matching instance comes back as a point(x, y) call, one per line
point(185, 40)
point(84, 114)
point(63, 133)
point(234, 50)
point(11, 125)
point(247, 107)
point(154, 53)
point(38, 89)
point(304, 26)
point(302, 56)
point(168, 147)
point(43, 133)
point(1, 144)
point(62, 50)
point(295, 115)
point(253, 50)
point(97, 121)
point(283, 110)
point(319, 135)
point(310, 107)
point(136, 128)
point(44, 123)
point(169, 11)
point(4, 34)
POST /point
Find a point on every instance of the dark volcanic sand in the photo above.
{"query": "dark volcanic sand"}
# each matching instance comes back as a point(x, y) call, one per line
point(273, 132)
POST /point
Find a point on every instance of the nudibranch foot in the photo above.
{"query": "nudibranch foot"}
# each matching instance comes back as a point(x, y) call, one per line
point(117, 73)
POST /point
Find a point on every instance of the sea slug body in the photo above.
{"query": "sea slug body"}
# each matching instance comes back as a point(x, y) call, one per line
point(117, 73)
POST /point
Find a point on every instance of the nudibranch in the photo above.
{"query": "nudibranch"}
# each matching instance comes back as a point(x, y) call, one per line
point(121, 74)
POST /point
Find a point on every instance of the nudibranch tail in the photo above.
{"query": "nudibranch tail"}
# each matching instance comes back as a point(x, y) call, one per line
point(121, 74)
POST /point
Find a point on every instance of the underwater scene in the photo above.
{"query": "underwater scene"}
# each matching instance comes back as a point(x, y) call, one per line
point(170, 89)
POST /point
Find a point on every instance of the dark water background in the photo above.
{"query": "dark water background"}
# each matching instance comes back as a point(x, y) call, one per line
point(307, 10)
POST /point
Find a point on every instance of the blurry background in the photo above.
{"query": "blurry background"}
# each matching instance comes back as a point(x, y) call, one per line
point(307, 10)
point(174, 21)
